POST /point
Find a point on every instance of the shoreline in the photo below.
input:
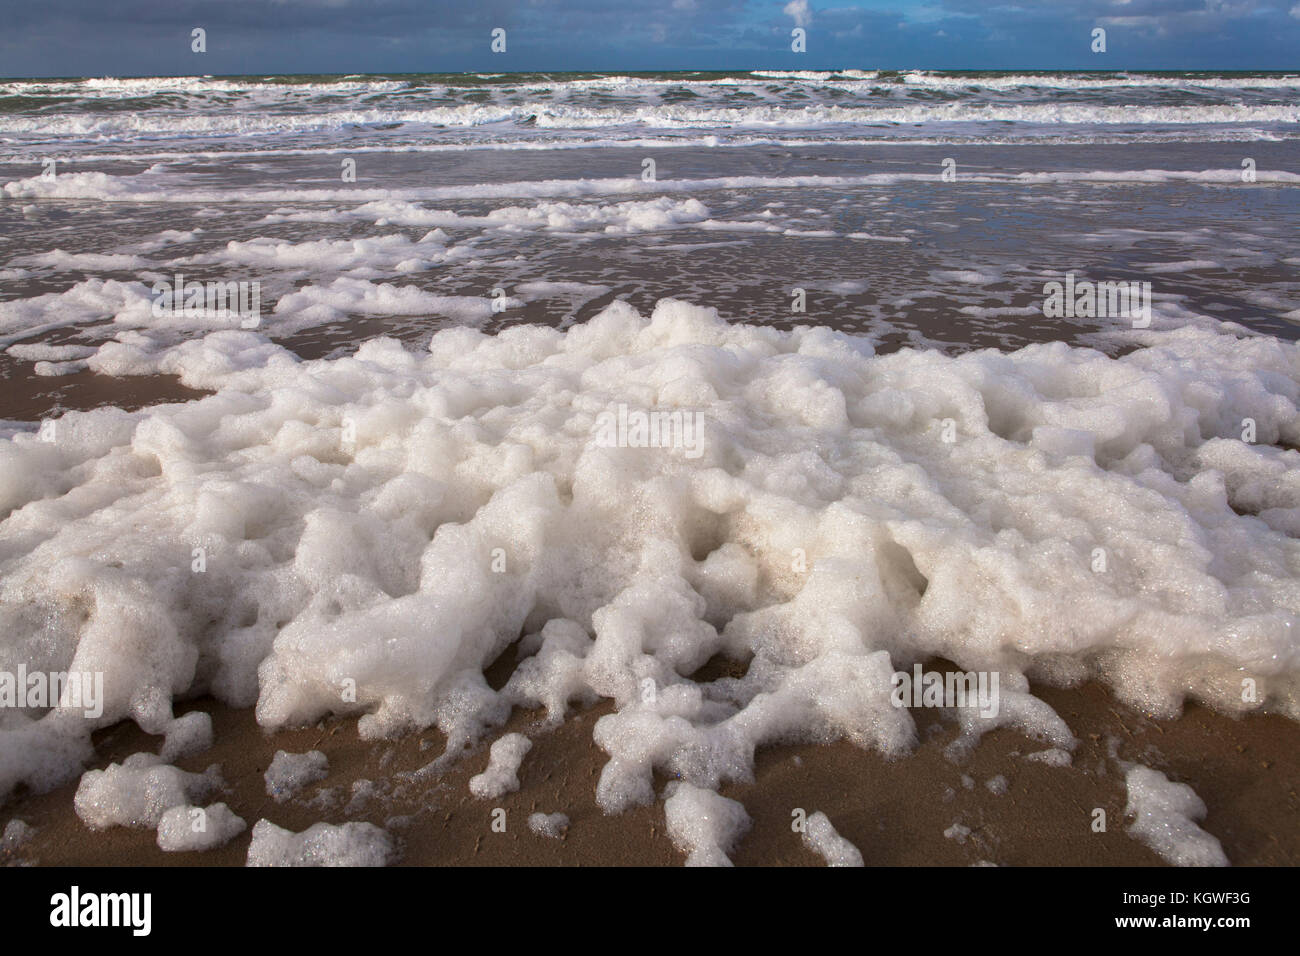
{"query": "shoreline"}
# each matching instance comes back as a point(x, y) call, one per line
point(1247, 771)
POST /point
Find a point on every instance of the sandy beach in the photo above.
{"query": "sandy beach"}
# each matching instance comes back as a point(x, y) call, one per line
point(633, 436)
point(1247, 771)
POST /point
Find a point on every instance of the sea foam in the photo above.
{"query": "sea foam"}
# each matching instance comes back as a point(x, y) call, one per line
point(378, 528)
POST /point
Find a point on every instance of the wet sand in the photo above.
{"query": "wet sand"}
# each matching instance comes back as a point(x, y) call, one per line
point(1246, 770)
point(26, 397)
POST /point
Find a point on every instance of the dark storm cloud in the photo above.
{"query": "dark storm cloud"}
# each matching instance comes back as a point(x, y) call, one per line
point(135, 37)
point(148, 36)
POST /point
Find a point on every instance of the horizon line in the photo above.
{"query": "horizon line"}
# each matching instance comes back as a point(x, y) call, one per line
point(641, 72)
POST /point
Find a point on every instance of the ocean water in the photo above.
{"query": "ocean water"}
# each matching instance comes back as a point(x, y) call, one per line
point(762, 183)
point(460, 292)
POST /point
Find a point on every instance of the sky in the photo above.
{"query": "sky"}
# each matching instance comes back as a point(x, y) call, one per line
point(154, 37)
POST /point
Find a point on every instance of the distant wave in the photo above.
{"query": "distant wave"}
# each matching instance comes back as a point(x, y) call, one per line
point(270, 112)
point(560, 117)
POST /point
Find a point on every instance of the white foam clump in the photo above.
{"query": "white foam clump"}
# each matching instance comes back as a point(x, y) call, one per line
point(87, 302)
point(371, 256)
point(820, 836)
point(502, 773)
point(144, 187)
point(189, 829)
point(321, 304)
point(62, 261)
point(322, 844)
point(550, 825)
point(392, 521)
point(38, 352)
point(187, 735)
point(289, 773)
point(143, 343)
point(617, 218)
point(706, 825)
point(137, 792)
point(1165, 819)
point(957, 832)
point(1052, 756)
point(15, 834)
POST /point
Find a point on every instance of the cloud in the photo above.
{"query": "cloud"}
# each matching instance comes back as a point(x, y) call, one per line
point(133, 37)
point(800, 11)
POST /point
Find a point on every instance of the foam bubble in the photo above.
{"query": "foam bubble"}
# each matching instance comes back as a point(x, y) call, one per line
point(820, 836)
point(187, 736)
point(1053, 757)
point(704, 824)
point(289, 773)
point(189, 829)
point(16, 833)
point(322, 844)
point(137, 792)
point(502, 774)
point(552, 825)
point(1165, 814)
